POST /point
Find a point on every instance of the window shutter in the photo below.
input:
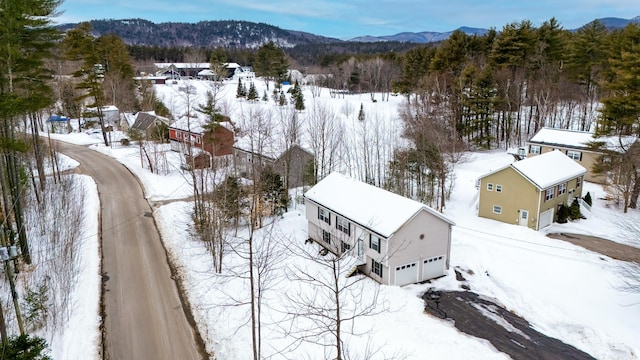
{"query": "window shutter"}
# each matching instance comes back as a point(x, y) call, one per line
point(318, 212)
point(349, 229)
point(580, 155)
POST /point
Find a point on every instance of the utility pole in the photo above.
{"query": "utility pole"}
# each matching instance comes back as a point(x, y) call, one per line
point(3, 329)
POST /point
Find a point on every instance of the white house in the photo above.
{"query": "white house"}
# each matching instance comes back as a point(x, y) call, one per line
point(398, 241)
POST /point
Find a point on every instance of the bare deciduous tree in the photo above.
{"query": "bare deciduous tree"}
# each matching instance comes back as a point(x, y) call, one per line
point(325, 303)
point(325, 133)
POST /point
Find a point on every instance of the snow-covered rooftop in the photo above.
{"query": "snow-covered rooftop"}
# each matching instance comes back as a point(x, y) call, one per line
point(379, 210)
point(183, 65)
point(577, 139)
point(549, 168)
point(580, 139)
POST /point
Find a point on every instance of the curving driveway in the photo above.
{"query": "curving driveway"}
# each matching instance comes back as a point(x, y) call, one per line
point(144, 316)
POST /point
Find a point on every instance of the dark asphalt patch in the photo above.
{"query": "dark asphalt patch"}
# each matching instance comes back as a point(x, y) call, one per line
point(507, 332)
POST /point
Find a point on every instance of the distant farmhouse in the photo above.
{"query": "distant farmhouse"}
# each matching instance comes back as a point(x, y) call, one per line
point(394, 240)
point(579, 146)
point(150, 125)
point(291, 164)
point(110, 113)
point(529, 192)
point(201, 71)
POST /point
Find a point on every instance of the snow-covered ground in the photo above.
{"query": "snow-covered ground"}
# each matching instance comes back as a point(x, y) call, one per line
point(563, 290)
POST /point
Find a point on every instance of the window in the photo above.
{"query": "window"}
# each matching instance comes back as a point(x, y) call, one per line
point(497, 209)
point(490, 187)
point(326, 237)
point(562, 188)
point(535, 149)
point(374, 243)
point(376, 267)
point(343, 225)
point(345, 247)
point(548, 195)
point(578, 181)
point(498, 188)
point(575, 155)
point(323, 214)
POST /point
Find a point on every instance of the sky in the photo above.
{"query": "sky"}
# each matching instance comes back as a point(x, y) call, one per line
point(346, 19)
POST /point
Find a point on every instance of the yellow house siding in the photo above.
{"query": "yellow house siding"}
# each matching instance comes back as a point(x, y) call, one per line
point(566, 198)
point(517, 193)
point(520, 194)
point(589, 158)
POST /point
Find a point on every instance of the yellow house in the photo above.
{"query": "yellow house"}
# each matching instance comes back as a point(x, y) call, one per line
point(529, 192)
point(577, 146)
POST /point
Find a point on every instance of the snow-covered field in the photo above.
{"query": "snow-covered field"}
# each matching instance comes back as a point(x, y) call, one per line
point(563, 290)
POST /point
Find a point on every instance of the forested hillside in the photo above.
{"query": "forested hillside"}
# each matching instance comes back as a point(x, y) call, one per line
point(226, 33)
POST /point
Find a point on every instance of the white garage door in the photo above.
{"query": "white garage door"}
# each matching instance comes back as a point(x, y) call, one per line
point(546, 218)
point(407, 274)
point(433, 267)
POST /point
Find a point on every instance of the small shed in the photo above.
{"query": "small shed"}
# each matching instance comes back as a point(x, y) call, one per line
point(58, 124)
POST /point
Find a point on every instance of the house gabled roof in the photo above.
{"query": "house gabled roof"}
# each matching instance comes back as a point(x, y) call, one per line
point(564, 138)
point(272, 150)
point(580, 139)
point(546, 170)
point(374, 208)
point(145, 120)
point(196, 125)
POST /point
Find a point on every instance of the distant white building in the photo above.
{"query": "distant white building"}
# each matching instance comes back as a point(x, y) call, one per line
point(110, 113)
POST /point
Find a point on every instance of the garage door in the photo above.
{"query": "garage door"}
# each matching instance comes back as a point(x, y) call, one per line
point(546, 218)
point(432, 268)
point(407, 274)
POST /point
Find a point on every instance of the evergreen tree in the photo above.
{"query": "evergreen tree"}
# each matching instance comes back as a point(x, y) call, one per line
point(241, 91)
point(27, 38)
point(271, 63)
point(587, 199)
point(25, 347)
point(218, 60)
point(361, 113)
point(298, 97)
point(265, 97)
point(273, 191)
point(253, 93)
point(563, 214)
point(81, 46)
point(621, 108)
point(574, 210)
point(230, 197)
point(282, 99)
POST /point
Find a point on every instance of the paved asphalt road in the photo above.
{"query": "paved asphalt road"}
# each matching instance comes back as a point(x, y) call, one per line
point(144, 317)
point(603, 246)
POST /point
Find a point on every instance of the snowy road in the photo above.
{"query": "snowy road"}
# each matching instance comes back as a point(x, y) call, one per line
point(144, 317)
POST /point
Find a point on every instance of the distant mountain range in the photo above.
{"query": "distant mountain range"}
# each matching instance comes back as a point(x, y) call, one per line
point(420, 37)
point(245, 34)
point(430, 36)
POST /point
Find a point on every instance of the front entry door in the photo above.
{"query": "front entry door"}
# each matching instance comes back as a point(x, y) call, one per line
point(524, 217)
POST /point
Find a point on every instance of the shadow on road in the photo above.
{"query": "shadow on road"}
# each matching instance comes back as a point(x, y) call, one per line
point(507, 332)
